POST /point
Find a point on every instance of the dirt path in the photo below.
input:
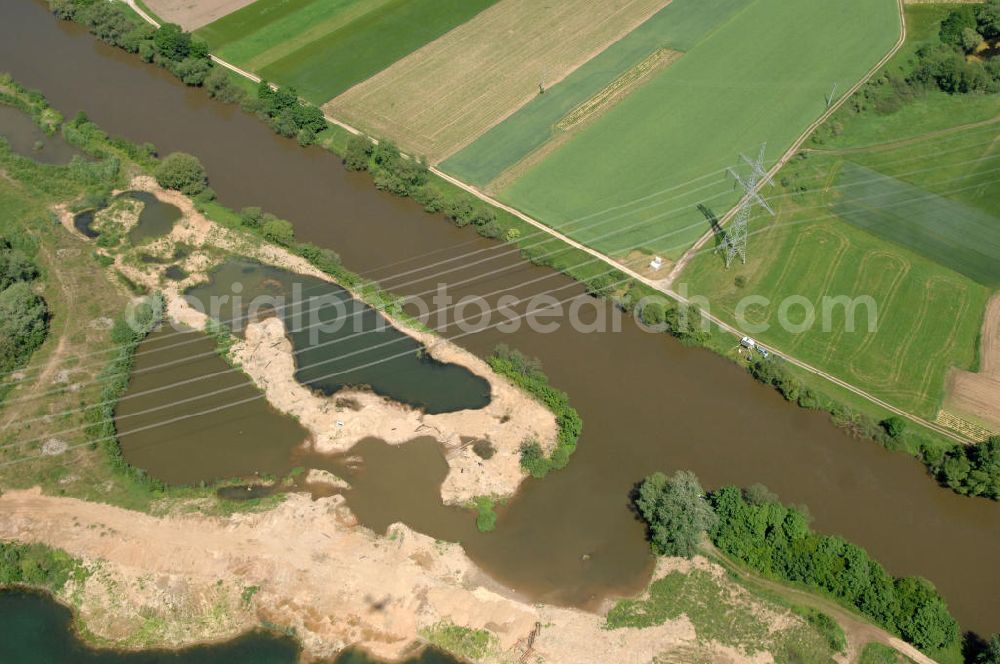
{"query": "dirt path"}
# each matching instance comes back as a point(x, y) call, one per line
point(904, 142)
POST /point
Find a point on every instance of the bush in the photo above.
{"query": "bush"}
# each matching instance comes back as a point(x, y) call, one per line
point(278, 231)
point(220, 86)
point(182, 172)
point(533, 459)
point(486, 518)
point(359, 150)
point(39, 566)
point(894, 426)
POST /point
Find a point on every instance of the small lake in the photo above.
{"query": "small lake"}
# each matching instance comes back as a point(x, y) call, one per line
point(28, 140)
point(188, 417)
point(35, 629)
point(338, 340)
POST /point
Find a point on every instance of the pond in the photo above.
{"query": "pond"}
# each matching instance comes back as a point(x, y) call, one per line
point(188, 417)
point(339, 341)
point(28, 140)
point(156, 219)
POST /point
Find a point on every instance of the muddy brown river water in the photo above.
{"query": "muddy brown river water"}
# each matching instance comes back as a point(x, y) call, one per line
point(647, 402)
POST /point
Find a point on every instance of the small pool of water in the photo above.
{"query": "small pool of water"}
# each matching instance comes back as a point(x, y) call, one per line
point(175, 273)
point(338, 340)
point(84, 222)
point(28, 140)
point(156, 219)
point(188, 417)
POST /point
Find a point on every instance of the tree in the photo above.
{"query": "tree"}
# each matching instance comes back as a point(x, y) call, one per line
point(923, 617)
point(894, 426)
point(359, 150)
point(183, 172)
point(172, 42)
point(14, 266)
point(278, 231)
point(676, 512)
point(991, 653)
point(955, 24)
point(971, 39)
point(988, 19)
point(23, 323)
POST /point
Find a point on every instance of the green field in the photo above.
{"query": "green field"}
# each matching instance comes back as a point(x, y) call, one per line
point(762, 76)
point(679, 26)
point(856, 232)
point(323, 47)
point(955, 235)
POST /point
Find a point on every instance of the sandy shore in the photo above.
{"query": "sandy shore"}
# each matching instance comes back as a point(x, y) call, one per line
point(266, 356)
point(336, 583)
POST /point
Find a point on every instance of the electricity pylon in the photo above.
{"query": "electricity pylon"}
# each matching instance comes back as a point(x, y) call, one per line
point(735, 239)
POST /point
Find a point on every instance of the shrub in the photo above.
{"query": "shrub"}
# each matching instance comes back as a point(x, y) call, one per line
point(894, 426)
point(278, 231)
point(220, 86)
point(358, 153)
point(533, 459)
point(182, 172)
point(486, 518)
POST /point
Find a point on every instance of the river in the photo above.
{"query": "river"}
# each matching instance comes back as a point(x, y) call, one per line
point(648, 403)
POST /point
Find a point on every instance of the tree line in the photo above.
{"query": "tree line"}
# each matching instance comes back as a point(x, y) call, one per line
point(755, 528)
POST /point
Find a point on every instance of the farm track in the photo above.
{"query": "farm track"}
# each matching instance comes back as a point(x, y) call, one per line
point(664, 285)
